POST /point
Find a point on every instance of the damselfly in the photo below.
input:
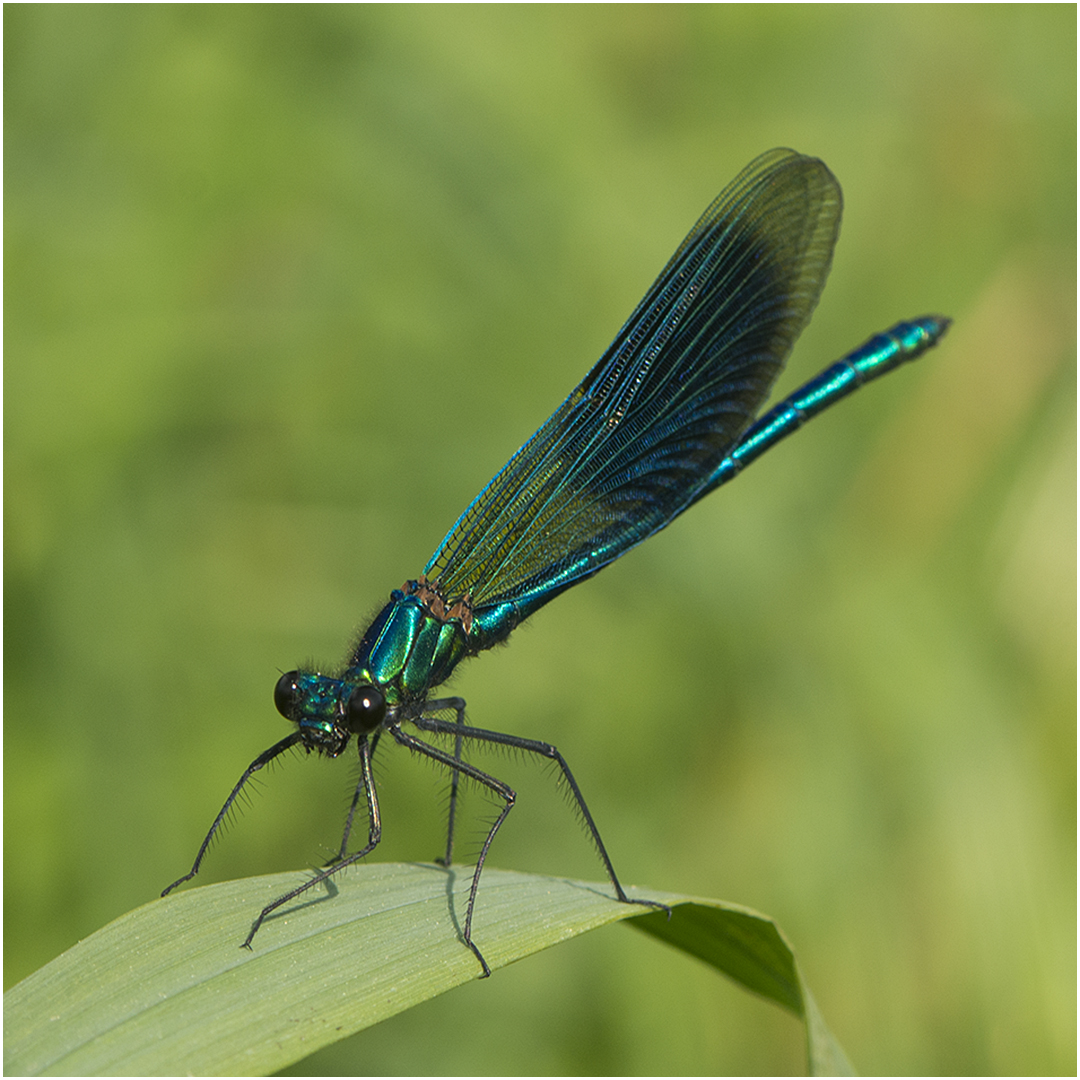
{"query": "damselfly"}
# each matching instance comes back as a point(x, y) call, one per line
point(664, 417)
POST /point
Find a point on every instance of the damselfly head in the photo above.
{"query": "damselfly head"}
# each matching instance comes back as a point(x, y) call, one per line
point(322, 707)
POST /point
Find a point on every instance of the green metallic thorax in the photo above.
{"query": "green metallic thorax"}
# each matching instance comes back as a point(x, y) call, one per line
point(413, 644)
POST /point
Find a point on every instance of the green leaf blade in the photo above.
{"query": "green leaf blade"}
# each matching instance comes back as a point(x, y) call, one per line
point(744, 945)
point(166, 989)
point(752, 950)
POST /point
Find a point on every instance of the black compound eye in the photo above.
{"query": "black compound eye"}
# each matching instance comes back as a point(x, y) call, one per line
point(365, 709)
point(287, 694)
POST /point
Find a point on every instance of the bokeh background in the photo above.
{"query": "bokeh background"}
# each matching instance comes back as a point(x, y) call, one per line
point(286, 285)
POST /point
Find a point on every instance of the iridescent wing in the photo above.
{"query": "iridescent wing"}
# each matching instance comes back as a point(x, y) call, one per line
point(629, 448)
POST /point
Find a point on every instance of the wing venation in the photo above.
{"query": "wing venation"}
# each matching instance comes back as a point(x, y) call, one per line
point(627, 450)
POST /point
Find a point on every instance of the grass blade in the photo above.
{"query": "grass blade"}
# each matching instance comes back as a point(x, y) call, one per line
point(166, 990)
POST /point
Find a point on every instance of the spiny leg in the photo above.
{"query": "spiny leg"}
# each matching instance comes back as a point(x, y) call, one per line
point(374, 836)
point(361, 787)
point(263, 759)
point(506, 792)
point(458, 705)
point(550, 752)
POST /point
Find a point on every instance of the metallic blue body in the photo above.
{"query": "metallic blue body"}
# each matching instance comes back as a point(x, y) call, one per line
point(664, 417)
point(414, 644)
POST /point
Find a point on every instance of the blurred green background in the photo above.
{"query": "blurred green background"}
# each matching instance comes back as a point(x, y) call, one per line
point(286, 285)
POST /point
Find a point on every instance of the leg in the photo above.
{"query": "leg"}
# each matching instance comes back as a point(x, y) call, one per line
point(263, 759)
point(374, 836)
point(545, 750)
point(361, 787)
point(458, 705)
point(456, 764)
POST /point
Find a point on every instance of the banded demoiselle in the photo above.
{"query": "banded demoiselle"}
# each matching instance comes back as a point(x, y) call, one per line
point(665, 416)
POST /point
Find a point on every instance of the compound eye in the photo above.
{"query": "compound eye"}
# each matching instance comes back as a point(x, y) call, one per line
point(365, 709)
point(287, 694)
